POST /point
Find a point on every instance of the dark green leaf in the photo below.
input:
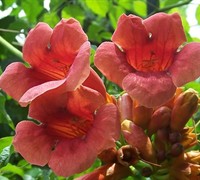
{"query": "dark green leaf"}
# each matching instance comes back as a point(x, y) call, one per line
point(114, 14)
point(32, 9)
point(73, 11)
point(4, 117)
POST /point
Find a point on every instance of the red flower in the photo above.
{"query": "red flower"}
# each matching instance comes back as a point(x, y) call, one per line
point(146, 60)
point(73, 128)
point(56, 56)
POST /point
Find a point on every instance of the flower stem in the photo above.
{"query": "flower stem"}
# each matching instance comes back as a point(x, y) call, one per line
point(10, 47)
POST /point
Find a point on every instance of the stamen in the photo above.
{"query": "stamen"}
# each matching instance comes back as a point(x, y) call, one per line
point(69, 129)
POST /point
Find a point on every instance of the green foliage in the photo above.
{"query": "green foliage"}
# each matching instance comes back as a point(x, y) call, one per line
point(198, 14)
point(99, 20)
point(4, 117)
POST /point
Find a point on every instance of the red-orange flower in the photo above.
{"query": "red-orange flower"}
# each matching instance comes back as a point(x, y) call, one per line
point(56, 56)
point(73, 128)
point(146, 58)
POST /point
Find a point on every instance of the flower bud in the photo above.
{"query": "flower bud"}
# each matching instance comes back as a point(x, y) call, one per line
point(160, 119)
point(161, 139)
point(142, 116)
point(176, 149)
point(125, 107)
point(175, 137)
point(184, 107)
point(136, 137)
point(161, 156)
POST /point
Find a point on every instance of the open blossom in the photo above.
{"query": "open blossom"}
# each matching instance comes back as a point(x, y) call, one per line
point(73, 128)
point(147, 58)
point(56, 56)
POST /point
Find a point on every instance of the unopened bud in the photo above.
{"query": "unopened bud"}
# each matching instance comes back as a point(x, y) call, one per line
point(161, 139)
point(161, 156)
point(142, 115)
point(184, 107)
point(160, 119)
point(136, 137)
point(125, 107)
point(175, 137)
point(176, 149)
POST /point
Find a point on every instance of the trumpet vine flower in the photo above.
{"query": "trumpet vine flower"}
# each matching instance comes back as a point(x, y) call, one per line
point(72, 129)
point(149, 58)
point(55, 57)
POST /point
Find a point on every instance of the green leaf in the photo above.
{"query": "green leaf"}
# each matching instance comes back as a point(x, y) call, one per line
point(13, 169)
point(7, 3)
point(51, 18)
point(93, 32)
point(92, 53)
point(114, 14)
point(106, 35)
point(194, 85)
point(32, 9)
point(73, 11)
point(3, 178)
point(197, 14)
point(5, 155)
point(126, 4)
point(4, 117)
point(4, 142)
point(170, 2)
point(140, 8)
point(99, 7)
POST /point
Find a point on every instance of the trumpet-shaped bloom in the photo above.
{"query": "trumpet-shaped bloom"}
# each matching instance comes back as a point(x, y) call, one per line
point(73, 128)
point(146, 58)
point(56, 56)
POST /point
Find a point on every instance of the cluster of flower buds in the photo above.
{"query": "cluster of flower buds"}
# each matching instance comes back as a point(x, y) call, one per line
point(158, 137)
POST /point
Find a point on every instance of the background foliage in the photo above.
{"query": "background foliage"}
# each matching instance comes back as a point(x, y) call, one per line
point(98, 19)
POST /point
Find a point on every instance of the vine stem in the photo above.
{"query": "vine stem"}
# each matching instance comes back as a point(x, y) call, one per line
point(170, 7)
point(11, 48)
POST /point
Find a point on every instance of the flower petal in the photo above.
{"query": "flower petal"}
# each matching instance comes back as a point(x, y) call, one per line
point(166, 29)
point(112, 62)
point(32, 143)
point(17, 79)
point(186, 65)
point(81, 102)
point(95, 82)
point(68, 36)
point(71, 156)
point(167, 35)
point(130, 32)
point(81, 153)
point(50, 105)
point(80, 68)
point(38, 90)
point(149, 89)
point(35, 47)
point(106, 128)
point(77, 74)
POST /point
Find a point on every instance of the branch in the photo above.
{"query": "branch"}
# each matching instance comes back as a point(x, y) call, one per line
point(152, 6)
point(10, 47)
point(170, 7)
